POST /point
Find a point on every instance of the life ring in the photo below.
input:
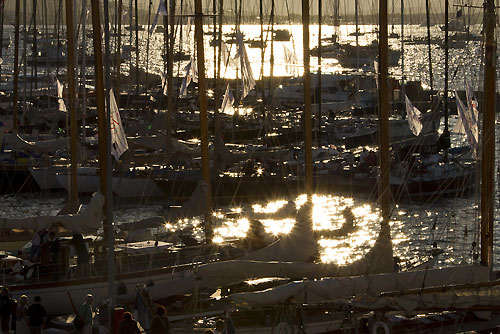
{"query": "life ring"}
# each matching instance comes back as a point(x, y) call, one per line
point(380, 324)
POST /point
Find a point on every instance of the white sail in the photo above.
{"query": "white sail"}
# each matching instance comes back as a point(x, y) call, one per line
point(227, 102)
point(246, 69)
point(118, 138)
point(414, 116)
point(60, 101)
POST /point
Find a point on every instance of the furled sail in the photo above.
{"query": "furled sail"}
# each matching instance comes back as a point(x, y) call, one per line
point(329, 289)
point(45, 146)
point(60, 101)
point(227, 102)
point(159, 142)
point(87, 220)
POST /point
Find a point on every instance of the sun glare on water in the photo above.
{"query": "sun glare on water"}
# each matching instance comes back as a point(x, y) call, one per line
point(327, 216)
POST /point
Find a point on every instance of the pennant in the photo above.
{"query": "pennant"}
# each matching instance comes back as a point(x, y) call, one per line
point(60, 101)
point(227, 102)
point(470, 128)
point(187, 79)
point(162, 10)
point(118, 138)
point(246, 69)
point(164, 82)
point(413, 115)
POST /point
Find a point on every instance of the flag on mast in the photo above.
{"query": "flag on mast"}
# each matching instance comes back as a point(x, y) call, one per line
point(413, 115)
point(246, 69)
point(162, 10)
point(118, 138)
point(60, 101)
point(468, 124)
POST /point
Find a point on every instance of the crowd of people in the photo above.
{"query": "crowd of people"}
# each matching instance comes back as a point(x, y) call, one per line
point(17, 316)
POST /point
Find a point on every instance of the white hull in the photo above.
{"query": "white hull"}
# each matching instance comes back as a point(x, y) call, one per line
point(45, 177)
point(56, 300)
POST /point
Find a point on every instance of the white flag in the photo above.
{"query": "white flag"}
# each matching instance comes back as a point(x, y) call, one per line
point(118, 138)
point(227, 102)
point(469, 126)
point(290, 61)
point(413, 115)
point(60, 101)
point(246, 69)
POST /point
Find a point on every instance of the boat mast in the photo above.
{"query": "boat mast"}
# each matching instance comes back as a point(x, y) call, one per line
point(16, 68)
point(262, 52)
point(271, 60)
point(488, 141)
point(402, 50)
point(319, 85)
point(218, 37)
point(136, 50)
point(384, 190)
point(118, 50)
point(104, 142)
point(446, 134)
point(200, 52)
point(72, 101)
point(2, 7)
point(356, 17)
point(427, 14)
point(307, 98)
point(170, 73)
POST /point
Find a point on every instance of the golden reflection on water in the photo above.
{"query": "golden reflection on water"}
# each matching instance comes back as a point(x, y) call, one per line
point(326, 216)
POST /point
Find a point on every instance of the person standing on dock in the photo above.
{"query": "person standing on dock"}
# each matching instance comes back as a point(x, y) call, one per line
point(36, 316)
point(22, 315)
point(87, 315)
point(160, 323)
point(5, 310)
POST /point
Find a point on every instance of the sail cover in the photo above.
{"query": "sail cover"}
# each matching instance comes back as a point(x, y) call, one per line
point(118, 138)
point(414, 116)
point(88, 220)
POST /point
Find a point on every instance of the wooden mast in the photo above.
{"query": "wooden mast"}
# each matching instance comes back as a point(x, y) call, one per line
point(307, 98)
point(16, 69)
point(219, 62)
point(170, 75)
point(72, 101)
point(383, 96)
point(319, 84)
point(446, 133)
point(200, 52)
point(429, 49)
point(488, 136)
point(118, 51)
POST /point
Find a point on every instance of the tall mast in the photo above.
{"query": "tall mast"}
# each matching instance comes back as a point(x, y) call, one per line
point(429, 49)
point(271, 60)
point(307, 97)
point(16, 68)
point(319, 85)
point(104, 142)
point(384, 190)
point(170, 74)
point(262, 50)
point(2, 7)
point(118, 50)
point(72, 100)
point(488, 140)
point(35, 49)
point(136, 49)
point(446, 133)
point(402, 49)
point(200, 52)
point(218, 37)
point(356, 17)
